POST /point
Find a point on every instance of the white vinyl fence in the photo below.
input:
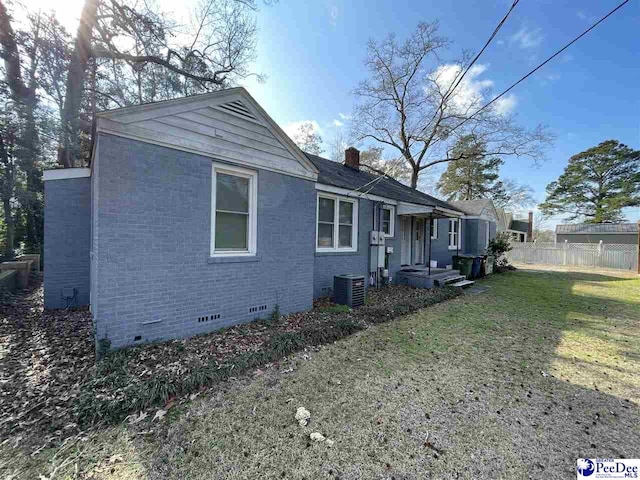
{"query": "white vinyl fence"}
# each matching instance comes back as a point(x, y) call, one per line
point(577, 254)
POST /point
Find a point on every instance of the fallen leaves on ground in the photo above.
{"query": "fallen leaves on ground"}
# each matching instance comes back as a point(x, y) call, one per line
point(47, 358)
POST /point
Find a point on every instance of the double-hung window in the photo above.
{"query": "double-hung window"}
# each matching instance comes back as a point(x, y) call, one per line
point(454, 234)
point(487, 235)
point(433, 228)
point(388, 221)
point(233, 211)
point(337, 227)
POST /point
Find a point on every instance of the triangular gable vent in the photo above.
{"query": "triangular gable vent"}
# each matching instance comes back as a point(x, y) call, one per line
point(237, 108)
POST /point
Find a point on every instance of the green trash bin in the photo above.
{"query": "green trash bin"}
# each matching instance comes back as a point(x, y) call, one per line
point(463, 265)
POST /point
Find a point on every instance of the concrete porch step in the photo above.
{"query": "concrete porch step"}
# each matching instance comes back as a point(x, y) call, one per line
point(450, 280)
point(463, 283)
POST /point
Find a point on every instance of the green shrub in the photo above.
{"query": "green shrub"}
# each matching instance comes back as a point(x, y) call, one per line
point(275, 314)
point(282, 344)
point(336, 308)
point(112, 392)
point(499, 246)
point(103, 347)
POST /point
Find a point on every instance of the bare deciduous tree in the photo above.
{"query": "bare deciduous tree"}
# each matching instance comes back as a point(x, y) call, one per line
point(337, 145)
point(210, 54)
point(411, 103)
point(514, 195)
point(308, 139)
point(372, 159)
point(540, 228)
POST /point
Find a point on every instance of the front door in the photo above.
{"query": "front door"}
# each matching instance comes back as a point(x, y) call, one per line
point(419, 241)
point(405, 242)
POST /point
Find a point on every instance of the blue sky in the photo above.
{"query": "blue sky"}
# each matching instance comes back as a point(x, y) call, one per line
point(312, 54)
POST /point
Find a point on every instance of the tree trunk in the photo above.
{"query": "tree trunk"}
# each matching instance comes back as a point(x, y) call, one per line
point(68, 151)
point(7, 185)
point(33, 207)
point(10, 55)
point(9, 227)
point(415, 172)
point(25, 103)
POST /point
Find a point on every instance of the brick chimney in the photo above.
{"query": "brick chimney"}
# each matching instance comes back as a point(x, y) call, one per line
point(530, 228)
point(352, 158)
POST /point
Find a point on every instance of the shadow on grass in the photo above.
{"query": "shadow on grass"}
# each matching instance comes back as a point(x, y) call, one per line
point(514, 383)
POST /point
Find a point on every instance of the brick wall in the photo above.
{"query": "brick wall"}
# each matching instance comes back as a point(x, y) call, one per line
point(154, 273)
point(327, 265)
point(440, 246)
point(67, 239)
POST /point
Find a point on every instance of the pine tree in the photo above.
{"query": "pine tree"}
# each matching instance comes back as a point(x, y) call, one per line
point(473, 175)
point(596, 184)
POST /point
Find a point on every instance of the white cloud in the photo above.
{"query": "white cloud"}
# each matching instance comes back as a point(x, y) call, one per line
point(471, 89)
point(566, 58)
point(549, 78)
point(344, 116)
point(506, 104)
point(292, 128)
point(337, 123)
point(334, 13)
point(527, 38)
point(472, 92)
point(584, 16)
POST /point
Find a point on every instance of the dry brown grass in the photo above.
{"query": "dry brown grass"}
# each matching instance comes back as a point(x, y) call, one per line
point(515, 383)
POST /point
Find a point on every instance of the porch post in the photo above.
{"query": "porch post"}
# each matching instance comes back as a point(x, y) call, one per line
point(430, 235)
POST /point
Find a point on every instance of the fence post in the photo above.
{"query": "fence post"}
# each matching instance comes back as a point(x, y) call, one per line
point(600, 252)
point(638, 248)
point(564, 255)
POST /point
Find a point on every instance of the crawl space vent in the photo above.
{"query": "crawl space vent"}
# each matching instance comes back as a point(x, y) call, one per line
point(259, 308)
point(237, 108)
point(207, 318)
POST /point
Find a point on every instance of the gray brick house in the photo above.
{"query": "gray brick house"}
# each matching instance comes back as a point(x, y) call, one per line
point(199, 213)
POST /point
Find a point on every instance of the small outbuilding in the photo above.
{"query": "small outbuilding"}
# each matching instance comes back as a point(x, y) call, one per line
point(607, 233)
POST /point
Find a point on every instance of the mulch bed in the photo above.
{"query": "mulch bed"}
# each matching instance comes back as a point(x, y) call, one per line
point(44, 358)
point(47, 358)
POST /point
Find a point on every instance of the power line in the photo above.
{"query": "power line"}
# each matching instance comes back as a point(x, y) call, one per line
point(373, 183)
point(475, 59)
point(541, 65)
point(455, 85)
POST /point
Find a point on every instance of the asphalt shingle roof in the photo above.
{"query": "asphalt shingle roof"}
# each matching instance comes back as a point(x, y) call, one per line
point(473, 207)
point(597, 228)
point(519, 226)
point(339, 175)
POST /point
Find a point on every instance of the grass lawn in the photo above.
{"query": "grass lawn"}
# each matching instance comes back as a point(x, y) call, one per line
point(517, 382)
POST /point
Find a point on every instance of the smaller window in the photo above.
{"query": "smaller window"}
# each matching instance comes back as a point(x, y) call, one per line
point(434, 228)
point(486, 243)
point(454, 233)
point(388, 221)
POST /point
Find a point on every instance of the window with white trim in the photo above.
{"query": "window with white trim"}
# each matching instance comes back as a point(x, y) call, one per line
point(337, 226)
point(233, 211)
point(454, 233)
point(388, 221)
point(486, 243)
point(433, 228)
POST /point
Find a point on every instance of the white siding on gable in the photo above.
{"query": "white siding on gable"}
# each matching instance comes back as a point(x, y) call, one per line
point(225, 129)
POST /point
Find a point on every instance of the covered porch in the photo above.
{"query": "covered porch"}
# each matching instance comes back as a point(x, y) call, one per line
point(416, 235)
point(417, 223)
